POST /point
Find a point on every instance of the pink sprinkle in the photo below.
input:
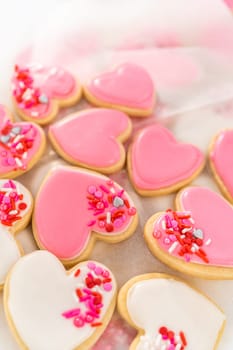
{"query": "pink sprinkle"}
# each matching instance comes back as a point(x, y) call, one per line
point(91, 223)
point(105, 274)
point(187, 257)
point(166, 240)
point(103, 188)
point(118, 223)
point(132, 211)
point(91, 189)
point(71, 313)
point(157, 234)
point(98, 270)
point(101, 223)
point(173, 238)
point(107, 287)
point(98, 194)
point(78, 322)
point(91, 265)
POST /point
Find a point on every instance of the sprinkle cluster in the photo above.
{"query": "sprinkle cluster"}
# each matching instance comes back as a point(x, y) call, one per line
point(90, 297)
point(181, 234)
point(109, 205)
point(11, 203)
point(25, 92)
point(165, 339)
point(16, 141)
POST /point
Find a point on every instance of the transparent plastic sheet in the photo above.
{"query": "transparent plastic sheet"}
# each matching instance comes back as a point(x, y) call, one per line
point(195, 103)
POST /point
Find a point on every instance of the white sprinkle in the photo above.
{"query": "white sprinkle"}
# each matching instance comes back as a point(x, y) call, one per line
point(173, 247)
point(193, 249)
point(182, 236)
point(19, 146)
point(6, 189)
point(13, 212)
point(178, 347)
point(187, 229)
point(18, 138)
point(208, 241)
point(24, 156)
point(191, 220)
point(21, 84)
point(196, 246)
point(108, 218)
point(112, 190)
point(34, 114)
point(18, 162)
point(163, 225)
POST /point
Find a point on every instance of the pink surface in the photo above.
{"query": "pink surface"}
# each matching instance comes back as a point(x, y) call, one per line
point(159, 161)
point(54, 82)
point(62, 215)
point(222, 158)
point(129, 85)
point(214, 216)
point(34, 134)
point(90, 137)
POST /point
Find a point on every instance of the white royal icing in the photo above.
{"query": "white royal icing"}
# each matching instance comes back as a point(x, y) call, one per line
point(158, 302)
point(9, 253)
point(39, 291)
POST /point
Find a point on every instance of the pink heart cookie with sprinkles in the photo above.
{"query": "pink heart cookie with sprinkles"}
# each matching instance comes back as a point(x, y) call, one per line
point(93, 139)
point(74, 207)
point(129, 88)
point(16, 205)
point(21, 145)
point(221, 161)
point(39, 92)
point(195, 238)
point(165, 311)
point(158, 164)
point(48, 307)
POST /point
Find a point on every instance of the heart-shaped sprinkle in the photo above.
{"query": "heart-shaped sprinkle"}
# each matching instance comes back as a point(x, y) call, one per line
point(5, 138)
point(92, 138)
point(118, 202)
point(77, 204)
point(70, 307)
point(167, 312)
point(38, 91)
point(16, 130)
point(158, 164)
point(128, 88)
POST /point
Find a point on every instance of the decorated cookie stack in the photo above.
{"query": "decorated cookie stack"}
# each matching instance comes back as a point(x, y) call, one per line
point(50, 308)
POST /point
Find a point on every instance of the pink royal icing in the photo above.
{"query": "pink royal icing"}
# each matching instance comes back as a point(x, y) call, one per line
point(35, 87)
point(72, 204)
point(159, 161)
point(129, 85)
point(213, 219)
point(19, 143)
point(90, 137)
point(221, 156)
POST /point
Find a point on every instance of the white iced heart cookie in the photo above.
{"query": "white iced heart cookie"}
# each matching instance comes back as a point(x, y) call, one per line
point(15, 212)
point(169, 315)
point(49, 308)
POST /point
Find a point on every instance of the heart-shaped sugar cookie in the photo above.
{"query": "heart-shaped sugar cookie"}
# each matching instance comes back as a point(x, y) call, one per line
point(15, 212)
point(221, 161)
point(93, 139)
point(158, 164)
point(21, 145)
point(196, 239)
point(128, 88)
point(38, 92)
point(166, 313)
point(51, 309)
point(75, 206)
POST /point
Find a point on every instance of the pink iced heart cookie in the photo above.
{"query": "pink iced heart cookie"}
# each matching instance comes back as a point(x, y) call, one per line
point(15, 212)
point(166, 313)
point(21, 145)
point(128, 88)
point(93, 139)
point(50, 308)
point(158, 164)
point(195, 239)
point(221, 161)
point(38, 92)
point(75, 206)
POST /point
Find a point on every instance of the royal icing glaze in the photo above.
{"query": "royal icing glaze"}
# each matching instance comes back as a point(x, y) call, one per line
point(203, 240)
point(222, 160)
point(157, 161)
point(92, 137)
point(161, 305)
point(19, 144)
point(9, 253)
point(68, 308)
point(128, 85)
point(73, 203)
point(35, 88)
